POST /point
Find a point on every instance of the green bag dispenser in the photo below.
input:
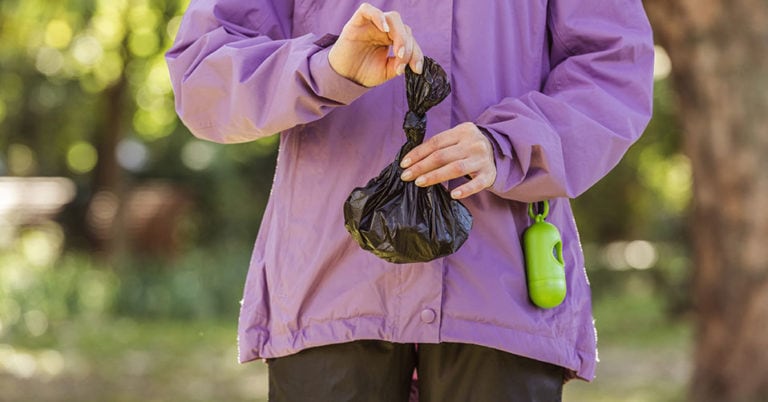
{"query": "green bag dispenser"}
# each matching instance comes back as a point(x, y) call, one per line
point(544, 266)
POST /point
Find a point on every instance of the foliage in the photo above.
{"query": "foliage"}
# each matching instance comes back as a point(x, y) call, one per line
point(203, 284)
point(37, 288)
point(40, 288)
point(127, 360)
point(60, 60)
point(85, 82)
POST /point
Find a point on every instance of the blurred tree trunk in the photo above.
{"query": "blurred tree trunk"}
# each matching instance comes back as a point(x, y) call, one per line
point(107, 173)
point(719, 53)
point(108, 237)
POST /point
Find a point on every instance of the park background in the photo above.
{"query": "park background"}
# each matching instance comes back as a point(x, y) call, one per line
point(124, 240)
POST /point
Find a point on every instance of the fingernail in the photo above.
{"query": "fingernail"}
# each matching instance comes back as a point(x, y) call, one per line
point(455, 194)
point(420, 181)
point(401, 53)
point(419, 66)
point(406, 175)
point(400, 69)
point(405, 163)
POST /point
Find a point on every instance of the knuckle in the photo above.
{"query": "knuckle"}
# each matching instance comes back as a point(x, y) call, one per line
point(480, 185)
point(487, 146)
point(468, 190)
point(433, 143)
point(460, 167)
point(440, 158)
point(463, 129)
point(394, 15)
point(416, 172)
point(487, 181)
point(476, 146)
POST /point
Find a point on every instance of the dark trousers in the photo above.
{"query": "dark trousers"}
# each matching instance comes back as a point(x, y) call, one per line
point(378, 371)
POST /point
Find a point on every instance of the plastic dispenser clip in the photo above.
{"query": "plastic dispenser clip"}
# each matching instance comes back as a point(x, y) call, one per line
point(544, 266)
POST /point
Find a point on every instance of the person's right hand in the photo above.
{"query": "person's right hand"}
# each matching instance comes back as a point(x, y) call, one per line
point(361, 53)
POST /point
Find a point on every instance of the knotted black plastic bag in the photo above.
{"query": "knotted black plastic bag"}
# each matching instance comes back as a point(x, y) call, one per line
point(399, 221)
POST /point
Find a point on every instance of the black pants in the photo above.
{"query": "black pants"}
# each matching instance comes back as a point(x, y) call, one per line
point(378, 371)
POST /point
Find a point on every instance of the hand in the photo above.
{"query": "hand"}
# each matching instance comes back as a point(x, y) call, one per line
point(462, 150)
point(361, 53)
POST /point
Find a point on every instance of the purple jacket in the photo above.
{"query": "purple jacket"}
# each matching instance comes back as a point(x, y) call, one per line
point(563, 87)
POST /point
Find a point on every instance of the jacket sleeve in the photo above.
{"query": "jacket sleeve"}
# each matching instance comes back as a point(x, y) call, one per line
point(595, 102)
point(239, 75)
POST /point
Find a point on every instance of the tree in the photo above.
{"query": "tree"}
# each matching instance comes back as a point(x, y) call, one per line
point(719, 55)
point(85, 93)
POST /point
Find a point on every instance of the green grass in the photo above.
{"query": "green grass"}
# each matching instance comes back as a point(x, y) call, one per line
point(126, 361)
point(644, 357)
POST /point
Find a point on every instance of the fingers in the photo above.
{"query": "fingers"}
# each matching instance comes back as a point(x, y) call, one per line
point(362, 52)
point(414, 160)
point(417, 59)
point(474, 186)
point(460, 151)
point(403, 44)
point(448, 171)
point(367, 13)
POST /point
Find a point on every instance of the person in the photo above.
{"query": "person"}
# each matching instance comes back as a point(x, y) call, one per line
point(547, 97)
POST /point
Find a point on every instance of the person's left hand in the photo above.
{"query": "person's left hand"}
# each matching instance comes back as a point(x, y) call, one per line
point(459, 151)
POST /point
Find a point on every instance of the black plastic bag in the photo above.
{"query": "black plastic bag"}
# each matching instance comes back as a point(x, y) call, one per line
point(399, 221)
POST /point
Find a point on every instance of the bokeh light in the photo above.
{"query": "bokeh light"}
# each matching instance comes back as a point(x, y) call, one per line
point(670, 177)
point(198, 155)
point(17, 363)
point(87, 50)
point(36, 322)
point(144, 43)
point(110, 69)
point(50, 362)
point(42, 246)
point(49, 61)
point(81, 157)
point(636, 254)
point(640, 254)
point(58, 34)
point(96, 289)
point(102, 212)
point(662, 65)
point(173, 27)
point(21, 160)
point(132, 154)
point(108, 28)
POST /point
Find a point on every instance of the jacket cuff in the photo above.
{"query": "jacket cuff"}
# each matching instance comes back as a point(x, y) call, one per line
point(329, 83)
point(504, 159)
